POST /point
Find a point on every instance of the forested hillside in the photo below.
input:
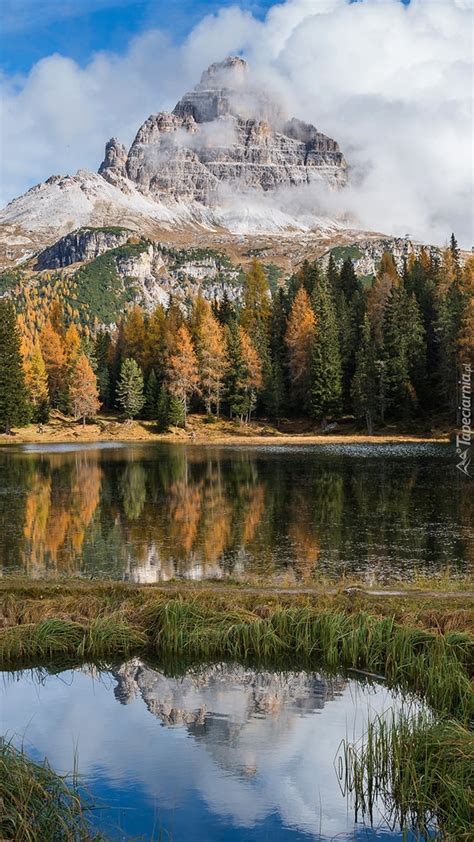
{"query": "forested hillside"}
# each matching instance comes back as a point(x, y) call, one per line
point(323, 344)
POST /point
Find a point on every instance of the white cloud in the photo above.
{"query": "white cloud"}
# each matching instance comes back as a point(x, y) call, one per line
point(391, 83)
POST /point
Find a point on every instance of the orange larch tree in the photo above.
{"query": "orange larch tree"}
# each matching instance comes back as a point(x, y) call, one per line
point(299, 341)
point(182, 370)
point(83, 391)
point(52, 349)
point(36, 377)
point(253, 370)
point(212, 358)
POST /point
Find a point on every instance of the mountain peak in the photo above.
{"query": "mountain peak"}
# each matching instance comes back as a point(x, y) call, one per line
point(211, 160)
point(231, 73)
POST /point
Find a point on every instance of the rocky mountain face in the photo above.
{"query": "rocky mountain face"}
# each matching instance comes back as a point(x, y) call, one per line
point(212, 163)
point(222, 133)
point(82, 245)
point(139, 269)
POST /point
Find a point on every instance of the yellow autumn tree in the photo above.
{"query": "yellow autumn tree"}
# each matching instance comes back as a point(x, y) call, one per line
point(72, 346)
point(466, 333)
point(212, 357)
point(54, 359)
point(155, 339)
point(299, 342)
point(182, 370)
point(253, 377)
point(134, 335)
point(36, 377)
point(83, 391)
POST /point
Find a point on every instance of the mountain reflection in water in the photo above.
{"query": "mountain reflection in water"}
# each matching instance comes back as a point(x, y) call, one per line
point(222, 752)
point(150, 513)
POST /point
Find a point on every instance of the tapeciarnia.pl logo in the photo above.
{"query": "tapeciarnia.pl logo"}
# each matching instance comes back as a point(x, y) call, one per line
point(464, 437)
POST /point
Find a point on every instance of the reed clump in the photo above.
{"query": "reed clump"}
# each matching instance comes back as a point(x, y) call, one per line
point(434, 666)
point(417, 771)
point(36, 804)
point(53, 638)
point(334, 634)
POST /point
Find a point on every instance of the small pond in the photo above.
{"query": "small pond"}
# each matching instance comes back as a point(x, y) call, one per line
point(220, 752)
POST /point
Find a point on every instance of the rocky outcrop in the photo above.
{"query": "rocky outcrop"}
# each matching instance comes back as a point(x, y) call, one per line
point(84, 244)
point(115, 159)
point(223, 133)
point(366, 254)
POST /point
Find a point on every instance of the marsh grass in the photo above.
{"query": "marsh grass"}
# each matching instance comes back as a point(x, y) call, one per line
point(417, 771)
point(336, 634)
point(36, 804)
point(434, 666)
point(55, 638)
point(421, 648)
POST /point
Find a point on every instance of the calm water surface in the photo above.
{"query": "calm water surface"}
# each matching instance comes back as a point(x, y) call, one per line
point(221, 753)
point(149, 513)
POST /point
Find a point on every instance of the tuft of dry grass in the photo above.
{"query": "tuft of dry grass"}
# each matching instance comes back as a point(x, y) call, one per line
point(36, 804)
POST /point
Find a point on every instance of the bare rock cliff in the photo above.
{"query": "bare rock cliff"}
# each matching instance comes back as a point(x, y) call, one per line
point(223, 133)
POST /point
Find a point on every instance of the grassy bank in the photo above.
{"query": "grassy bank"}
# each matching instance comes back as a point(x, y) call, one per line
point(425, 649)
point(418, 770)
point(36, 804)
point(200, 430)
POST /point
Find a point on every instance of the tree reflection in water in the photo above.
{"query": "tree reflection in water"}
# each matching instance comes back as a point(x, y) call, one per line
point(149, 513)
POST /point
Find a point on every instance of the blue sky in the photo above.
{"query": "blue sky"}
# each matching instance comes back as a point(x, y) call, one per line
point(32, 29)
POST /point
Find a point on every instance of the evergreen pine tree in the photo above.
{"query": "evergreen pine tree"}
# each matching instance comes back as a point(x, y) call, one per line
point(326, 361)
point(348, 280)
point(278, 392)
point(333, 274)
point(403, 352)
point(130, 395)
point(14, 405)
point(152, 393)
point(102, 350)
point(456, 256)
point(364, 383)
point(162, 409)
point(235, 392)
point(169, 410)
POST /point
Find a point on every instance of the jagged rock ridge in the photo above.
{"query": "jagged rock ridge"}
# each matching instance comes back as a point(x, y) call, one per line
point(214, 166)
point(222, 133)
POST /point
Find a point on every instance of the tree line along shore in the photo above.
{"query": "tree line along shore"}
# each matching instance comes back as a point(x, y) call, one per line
point(384, 354)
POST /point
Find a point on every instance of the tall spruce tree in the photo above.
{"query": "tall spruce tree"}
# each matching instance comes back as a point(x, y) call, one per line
point(152, 392)
point(14, 405)
point(235, 382)
point(129, 390)
point(348, 280)
point(278, 394)
point(102, 350)
point(326, 376)
point(403, 352)
point(364, 382)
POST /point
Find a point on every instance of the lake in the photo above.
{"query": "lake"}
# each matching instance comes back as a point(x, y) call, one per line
point(220, 752)
point(148, 513)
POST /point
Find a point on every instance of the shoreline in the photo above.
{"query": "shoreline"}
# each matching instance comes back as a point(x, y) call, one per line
point(199, 433)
